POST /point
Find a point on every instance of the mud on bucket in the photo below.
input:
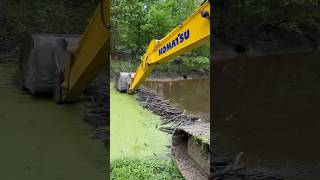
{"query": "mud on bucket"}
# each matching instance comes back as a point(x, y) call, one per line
point(123, 81)
point(42, 56)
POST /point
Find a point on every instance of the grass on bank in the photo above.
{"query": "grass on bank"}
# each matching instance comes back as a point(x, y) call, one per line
point(135, 142)
point(152, 169)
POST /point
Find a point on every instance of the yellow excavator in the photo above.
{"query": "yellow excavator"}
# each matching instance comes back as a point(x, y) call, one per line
point(191, 143)
point(65, 65)
point(191, 33)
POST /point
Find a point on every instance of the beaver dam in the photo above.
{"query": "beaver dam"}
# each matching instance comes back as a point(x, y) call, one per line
point(170, 110)
point(192, 95)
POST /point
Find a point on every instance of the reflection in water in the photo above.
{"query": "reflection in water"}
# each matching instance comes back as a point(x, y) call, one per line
point(190, 95)
point(268, 108)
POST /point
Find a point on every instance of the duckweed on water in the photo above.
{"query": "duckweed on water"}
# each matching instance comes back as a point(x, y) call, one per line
point(138, 149)
point(43, 140)
point(133, 132)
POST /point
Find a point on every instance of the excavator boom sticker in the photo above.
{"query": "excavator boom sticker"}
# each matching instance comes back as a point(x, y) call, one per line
point(175, 42)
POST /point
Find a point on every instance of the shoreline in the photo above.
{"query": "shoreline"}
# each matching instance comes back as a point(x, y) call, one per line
point(165, 77)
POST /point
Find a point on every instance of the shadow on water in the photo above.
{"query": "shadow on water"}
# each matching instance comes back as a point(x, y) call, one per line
point(267, 107)
point(192, 95)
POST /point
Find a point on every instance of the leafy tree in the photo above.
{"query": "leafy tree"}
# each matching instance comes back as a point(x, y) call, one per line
point(18, 17)
point(247, 17)
point(140, 21)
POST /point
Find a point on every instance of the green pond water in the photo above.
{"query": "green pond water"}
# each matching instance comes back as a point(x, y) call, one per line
point(133, 130)
point(41, 140)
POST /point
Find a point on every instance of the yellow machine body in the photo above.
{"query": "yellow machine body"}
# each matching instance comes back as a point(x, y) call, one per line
point(191, 33)
point(65, 65)
point(84, 62)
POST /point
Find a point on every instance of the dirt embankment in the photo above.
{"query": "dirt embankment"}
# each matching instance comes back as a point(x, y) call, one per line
point(264, 43)
point(175, 76)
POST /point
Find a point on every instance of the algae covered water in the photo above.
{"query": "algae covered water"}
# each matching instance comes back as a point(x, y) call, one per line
point(43, 140)
point(133, 132)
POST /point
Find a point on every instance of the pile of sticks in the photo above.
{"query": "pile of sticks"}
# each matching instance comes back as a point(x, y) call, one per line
point(171, 116)
point(228, 169)
point(96, 98)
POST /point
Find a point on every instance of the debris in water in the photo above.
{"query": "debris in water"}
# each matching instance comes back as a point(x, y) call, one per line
point(168, 113)
point(97, 97)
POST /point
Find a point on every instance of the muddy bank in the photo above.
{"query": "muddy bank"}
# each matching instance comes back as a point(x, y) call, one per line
point(265, 43)
point(175, 76)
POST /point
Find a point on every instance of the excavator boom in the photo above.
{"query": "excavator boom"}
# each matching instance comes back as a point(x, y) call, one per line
point(65, 65)
point(84, 62)
point(191, 33)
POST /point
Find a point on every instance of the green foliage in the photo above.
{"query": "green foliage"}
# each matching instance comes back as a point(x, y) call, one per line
point(197, 63)
point(188, 64)
point(140, 21)
point(144, 169)
point(252, 16)
point(18, 18)
point(122, 66)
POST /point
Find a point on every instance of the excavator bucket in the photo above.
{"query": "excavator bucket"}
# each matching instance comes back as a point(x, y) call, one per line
point(123, 81)
point(191, 149)
point(41, 62)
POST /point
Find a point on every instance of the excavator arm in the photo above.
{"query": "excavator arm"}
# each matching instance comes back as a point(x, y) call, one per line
point(65, 65)
point(191, 33)
point(83, 62)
